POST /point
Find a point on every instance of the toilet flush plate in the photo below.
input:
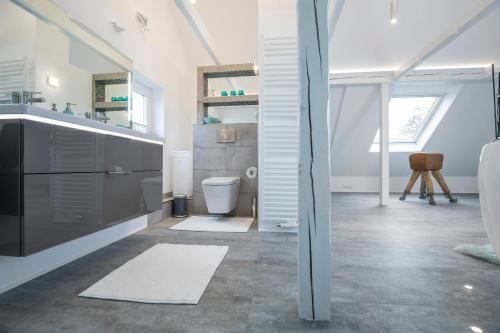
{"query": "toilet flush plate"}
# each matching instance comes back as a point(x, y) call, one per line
point(226, 135)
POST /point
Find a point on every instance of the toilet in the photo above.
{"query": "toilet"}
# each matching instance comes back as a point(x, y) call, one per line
point(221, 193)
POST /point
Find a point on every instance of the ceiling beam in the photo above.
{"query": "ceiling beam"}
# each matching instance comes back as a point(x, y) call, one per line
point(334, 10)
point(437, 74)
point(199, 28)
point(454, 30)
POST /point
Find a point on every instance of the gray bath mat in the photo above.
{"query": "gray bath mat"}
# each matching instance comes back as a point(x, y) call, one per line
point(484, 252)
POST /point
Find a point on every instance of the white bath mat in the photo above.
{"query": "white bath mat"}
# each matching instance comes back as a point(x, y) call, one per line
point(215, 224)
point(166, 273)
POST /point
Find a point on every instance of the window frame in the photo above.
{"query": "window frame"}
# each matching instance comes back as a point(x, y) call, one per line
point(422, 128)
point(144, 107)
point(147, 94)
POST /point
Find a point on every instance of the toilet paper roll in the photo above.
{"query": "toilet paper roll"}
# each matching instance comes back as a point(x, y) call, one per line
point(251, 172)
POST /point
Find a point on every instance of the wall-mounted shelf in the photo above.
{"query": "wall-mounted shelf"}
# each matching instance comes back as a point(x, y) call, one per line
point(111, 105)
point(230, 100)
point(224, 71)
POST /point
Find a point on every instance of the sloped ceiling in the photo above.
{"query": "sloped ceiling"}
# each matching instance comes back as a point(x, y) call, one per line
point(365, 40)
point(464, 129)
point(232, 25)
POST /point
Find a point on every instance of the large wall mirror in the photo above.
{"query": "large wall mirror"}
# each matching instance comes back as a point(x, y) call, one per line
point(44, 50)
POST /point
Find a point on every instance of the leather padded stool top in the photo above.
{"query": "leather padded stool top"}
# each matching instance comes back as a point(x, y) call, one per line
point(426, 161)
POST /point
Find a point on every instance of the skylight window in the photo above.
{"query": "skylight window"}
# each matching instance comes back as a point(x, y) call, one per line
point(408, 117)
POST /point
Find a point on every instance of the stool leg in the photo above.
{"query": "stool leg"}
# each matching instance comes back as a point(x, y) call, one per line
point(411, 182)
point(440, 179)
point(430, 187)
point(423, 194)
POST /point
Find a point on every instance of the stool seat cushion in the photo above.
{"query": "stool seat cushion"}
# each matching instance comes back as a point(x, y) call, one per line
point(426, 161)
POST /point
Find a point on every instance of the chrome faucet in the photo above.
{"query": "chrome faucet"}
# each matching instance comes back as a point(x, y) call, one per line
point(29, 99)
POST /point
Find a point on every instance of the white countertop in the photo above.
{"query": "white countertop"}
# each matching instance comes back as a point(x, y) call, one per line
point(34, 113)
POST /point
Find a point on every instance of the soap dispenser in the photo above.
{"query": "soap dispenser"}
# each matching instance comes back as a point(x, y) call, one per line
point(68, 108)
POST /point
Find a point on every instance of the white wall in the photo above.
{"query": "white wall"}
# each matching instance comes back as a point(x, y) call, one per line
point(167, 55)
point(465, 128)
point(17, 38)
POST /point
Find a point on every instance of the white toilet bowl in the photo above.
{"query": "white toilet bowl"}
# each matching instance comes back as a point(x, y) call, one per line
point(221, 193)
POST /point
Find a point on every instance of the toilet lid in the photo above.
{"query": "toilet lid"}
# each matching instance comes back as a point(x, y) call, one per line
point(219, 181)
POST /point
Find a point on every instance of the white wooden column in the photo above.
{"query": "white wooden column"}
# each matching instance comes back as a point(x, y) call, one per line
point(314, 162)
point(384, 145)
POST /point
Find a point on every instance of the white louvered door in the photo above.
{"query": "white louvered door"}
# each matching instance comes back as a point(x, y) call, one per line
point(278, 133)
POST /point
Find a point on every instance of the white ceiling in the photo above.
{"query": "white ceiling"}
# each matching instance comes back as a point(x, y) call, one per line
point(233, 27)
point(365, 40)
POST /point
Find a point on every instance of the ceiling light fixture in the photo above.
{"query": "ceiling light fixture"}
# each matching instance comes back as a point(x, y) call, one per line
point(476, 329)
point(394, 12)
point(468, 287)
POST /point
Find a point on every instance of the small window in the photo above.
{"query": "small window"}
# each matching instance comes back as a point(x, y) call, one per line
point(408, 117)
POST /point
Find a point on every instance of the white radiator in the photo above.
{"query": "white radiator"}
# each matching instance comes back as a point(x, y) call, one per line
point(278, 133)
point(15, 75)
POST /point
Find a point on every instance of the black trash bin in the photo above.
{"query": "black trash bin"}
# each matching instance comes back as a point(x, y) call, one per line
point(180, 205)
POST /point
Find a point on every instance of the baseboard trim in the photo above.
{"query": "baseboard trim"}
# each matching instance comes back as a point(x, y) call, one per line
point(397, 184)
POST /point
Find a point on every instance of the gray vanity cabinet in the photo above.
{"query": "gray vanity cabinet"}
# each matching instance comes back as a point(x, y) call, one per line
point(61, 183)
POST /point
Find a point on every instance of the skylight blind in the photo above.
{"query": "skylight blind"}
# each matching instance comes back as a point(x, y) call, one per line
point(278, 139)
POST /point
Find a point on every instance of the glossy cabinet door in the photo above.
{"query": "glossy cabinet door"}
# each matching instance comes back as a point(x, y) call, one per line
point(120, 154)
point(10, 187)
point(57, 149)
point(61, 207)
point(151, 157)
point(129, 195)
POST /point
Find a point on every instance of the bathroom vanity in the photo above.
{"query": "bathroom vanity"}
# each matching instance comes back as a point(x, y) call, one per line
point(64, 177)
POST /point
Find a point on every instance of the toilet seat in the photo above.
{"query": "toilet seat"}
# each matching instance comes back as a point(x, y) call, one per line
point(220, 181)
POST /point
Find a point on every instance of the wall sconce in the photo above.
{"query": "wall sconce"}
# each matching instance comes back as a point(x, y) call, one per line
point(53, 81)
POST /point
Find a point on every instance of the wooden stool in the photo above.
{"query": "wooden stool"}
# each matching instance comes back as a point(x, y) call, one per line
point(423, 164)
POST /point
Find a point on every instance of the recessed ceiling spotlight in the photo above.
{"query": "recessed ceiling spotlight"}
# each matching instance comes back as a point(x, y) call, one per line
point(394, 12)
point(468, 287)
point(476, 329)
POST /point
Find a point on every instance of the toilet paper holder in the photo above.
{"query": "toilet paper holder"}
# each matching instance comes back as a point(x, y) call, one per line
point(251, 172)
